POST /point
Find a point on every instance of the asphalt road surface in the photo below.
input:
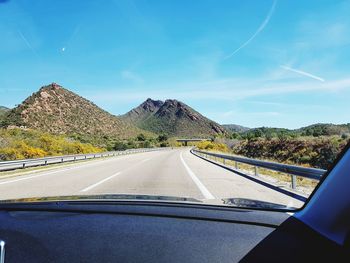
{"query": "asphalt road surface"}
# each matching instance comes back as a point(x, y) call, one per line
point(174, 172)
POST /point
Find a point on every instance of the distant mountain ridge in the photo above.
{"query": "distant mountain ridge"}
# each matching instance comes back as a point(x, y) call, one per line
point(3, 110)
point(57, 110)
point(172, 117)
point(325, 129)
point(318, 129)
point(235, 128)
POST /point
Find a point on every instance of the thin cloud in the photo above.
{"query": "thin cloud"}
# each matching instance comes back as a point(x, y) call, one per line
point(129, 75)
point(306, 74)
point(224, 90)
point(260, 28)
point(26, 42)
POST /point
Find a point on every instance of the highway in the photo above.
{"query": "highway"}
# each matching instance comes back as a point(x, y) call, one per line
point(173, 172)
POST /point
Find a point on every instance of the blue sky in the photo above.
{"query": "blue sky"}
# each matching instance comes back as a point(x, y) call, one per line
point(255, 63)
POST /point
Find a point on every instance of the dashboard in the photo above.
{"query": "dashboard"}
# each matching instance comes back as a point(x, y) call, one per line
point(155, 232)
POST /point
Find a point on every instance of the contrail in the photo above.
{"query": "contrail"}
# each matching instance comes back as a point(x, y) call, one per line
point(27, 42)
point(303, 73)
point(75, 32)
point(261, 28)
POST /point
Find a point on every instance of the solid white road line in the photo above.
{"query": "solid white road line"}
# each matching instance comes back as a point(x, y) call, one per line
point(205, 192)
point(100, 182)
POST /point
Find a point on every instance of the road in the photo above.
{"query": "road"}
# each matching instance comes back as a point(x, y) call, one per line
point(174, 172)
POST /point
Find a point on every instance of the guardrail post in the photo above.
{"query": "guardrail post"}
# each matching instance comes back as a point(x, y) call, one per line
point(223, 161)
point(256, 171)
point(24, 165)
point(45, 162)
point(236, 165)
point(61, 160)
point(75, 158)
point(294, 181)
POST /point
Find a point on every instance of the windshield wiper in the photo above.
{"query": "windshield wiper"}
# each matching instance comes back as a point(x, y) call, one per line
point(104, 197)
point(252, 203)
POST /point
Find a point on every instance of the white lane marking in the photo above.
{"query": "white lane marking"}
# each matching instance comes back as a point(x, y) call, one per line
point(98, 162)
point(110, 177)
point(205, 192)
point(100, 182)
point(38, 175)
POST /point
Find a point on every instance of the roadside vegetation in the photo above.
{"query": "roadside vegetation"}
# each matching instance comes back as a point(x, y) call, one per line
point(140, 141)
point(213, 146)
point(22, 144)
point(318, 152)
point(315, 146)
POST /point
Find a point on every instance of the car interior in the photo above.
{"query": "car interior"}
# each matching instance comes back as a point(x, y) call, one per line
point(196, 131)
point(169, 231)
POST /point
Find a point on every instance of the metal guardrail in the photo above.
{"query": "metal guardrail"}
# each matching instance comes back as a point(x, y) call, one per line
point(293, 170)
point(18, 164)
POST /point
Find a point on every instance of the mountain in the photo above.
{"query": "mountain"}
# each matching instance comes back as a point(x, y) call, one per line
point(319, 129)
point(172, 117)
point(3, 111)
point(57, 110)
point(145, 110)
point(235, 128)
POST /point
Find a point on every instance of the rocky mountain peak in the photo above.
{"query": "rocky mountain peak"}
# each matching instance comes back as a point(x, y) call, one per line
point(172, 117)
point(58, 110)
point(151, 105)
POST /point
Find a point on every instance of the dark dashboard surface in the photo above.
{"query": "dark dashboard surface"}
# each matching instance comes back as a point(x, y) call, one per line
point(138, 232)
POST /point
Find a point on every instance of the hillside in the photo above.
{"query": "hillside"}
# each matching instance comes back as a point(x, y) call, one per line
point(3, 111)
point(326, 129)
point(314, 130)
point(145, 110)
point(172, 117)
point(57, 110)
point(235, 128)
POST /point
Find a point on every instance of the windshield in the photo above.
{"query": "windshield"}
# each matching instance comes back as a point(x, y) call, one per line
point(230, 103)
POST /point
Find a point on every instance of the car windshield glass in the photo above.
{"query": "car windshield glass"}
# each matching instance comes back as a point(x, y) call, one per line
point(228, 103)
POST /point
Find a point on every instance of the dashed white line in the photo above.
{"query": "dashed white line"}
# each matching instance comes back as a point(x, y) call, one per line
point(110, 177)
point(205, 192)
point(100, 182)
point(33, 176)
point(43, 173)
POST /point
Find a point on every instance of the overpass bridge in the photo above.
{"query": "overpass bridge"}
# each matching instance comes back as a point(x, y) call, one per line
point(186, 141)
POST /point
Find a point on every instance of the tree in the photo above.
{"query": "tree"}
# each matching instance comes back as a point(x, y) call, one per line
point(146, 144)
point(141, 137)
point(120, 146)
point(162, 138)
point(282, 136)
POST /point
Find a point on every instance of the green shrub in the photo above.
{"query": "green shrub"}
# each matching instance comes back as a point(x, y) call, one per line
point(317, 152)
point(23, 144)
